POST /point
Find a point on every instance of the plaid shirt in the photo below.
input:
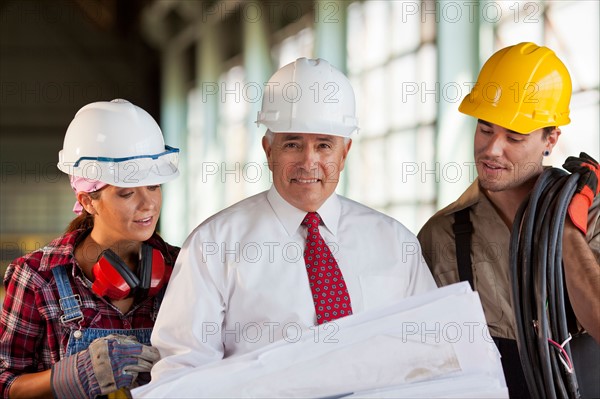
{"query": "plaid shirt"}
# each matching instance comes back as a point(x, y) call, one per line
point(32, 338)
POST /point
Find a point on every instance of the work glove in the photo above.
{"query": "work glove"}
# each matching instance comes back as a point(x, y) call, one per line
point(109, 363)
point(587, 188)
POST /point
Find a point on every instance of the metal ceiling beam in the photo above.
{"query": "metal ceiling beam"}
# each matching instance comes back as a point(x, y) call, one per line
point(199, 15)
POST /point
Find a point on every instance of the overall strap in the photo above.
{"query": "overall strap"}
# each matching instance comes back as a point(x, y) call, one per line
point(463, 228)
point(511, 363)
point(158, 298)
point(70, 304)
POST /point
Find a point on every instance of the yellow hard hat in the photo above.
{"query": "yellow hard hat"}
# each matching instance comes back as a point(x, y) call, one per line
point(522, 88)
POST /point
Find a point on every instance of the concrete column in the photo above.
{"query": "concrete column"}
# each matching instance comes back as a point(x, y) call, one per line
point(208, 69)
point(259, 68)
point(458, 66)
point(206, 149)
point(330, 32)
point(173, 222)
point(330, 44)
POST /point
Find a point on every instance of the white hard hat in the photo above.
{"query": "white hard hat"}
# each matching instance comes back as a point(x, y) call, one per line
point(309, 96)
point(117, 143)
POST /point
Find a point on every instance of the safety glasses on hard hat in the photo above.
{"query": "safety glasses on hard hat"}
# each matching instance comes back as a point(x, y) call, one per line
point(130, 171)
point(168, 151)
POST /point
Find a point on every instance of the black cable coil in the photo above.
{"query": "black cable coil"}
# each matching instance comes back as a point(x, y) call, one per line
point(538, 285)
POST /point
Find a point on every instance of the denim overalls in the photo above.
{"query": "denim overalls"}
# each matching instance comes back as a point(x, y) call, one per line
point(70, 304)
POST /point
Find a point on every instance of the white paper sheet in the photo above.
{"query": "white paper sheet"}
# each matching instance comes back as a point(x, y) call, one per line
point(434, 345)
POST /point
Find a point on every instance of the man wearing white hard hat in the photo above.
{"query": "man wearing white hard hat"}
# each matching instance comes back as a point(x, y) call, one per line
point(293, 257)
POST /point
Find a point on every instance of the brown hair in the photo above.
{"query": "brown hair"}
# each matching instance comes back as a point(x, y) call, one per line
point(85, 221)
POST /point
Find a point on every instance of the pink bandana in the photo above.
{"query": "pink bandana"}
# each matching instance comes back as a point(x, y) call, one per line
point(80, 184)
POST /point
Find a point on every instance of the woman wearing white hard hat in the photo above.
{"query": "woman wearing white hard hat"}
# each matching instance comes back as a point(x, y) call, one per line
point(78, 313)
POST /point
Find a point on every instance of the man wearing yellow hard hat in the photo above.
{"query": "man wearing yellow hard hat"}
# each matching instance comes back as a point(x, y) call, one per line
point(520, 99)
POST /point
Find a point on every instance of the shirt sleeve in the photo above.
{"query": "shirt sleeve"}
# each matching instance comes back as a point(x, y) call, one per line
point(421, 277)
point(593, 234)
point(438, 246)
point(425, 240)
point(21, 326)
point(188, 328)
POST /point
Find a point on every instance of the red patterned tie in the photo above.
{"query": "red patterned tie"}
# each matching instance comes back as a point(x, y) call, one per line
point(330, 294)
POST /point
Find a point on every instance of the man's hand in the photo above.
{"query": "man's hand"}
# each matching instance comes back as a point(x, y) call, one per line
point(110, 363)
point(587, 188)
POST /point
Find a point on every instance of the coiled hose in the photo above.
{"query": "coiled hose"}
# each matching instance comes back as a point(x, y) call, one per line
point(538, 287)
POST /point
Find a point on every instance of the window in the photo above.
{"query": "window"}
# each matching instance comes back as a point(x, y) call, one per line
point(392, 66)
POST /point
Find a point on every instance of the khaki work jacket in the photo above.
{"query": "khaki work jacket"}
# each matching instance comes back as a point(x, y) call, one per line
point(490, 243)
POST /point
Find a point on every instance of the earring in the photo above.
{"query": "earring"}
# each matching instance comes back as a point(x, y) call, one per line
point(546, 153)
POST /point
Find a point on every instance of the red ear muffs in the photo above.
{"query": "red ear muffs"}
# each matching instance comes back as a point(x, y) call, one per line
point(153, 271)
point(114, 279)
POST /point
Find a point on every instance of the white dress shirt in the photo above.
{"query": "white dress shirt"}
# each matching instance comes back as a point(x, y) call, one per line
point(240, 281)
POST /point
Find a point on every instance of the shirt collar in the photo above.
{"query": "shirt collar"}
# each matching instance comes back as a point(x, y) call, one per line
point(471, 196)
point(60, 251)
point(291, 217)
